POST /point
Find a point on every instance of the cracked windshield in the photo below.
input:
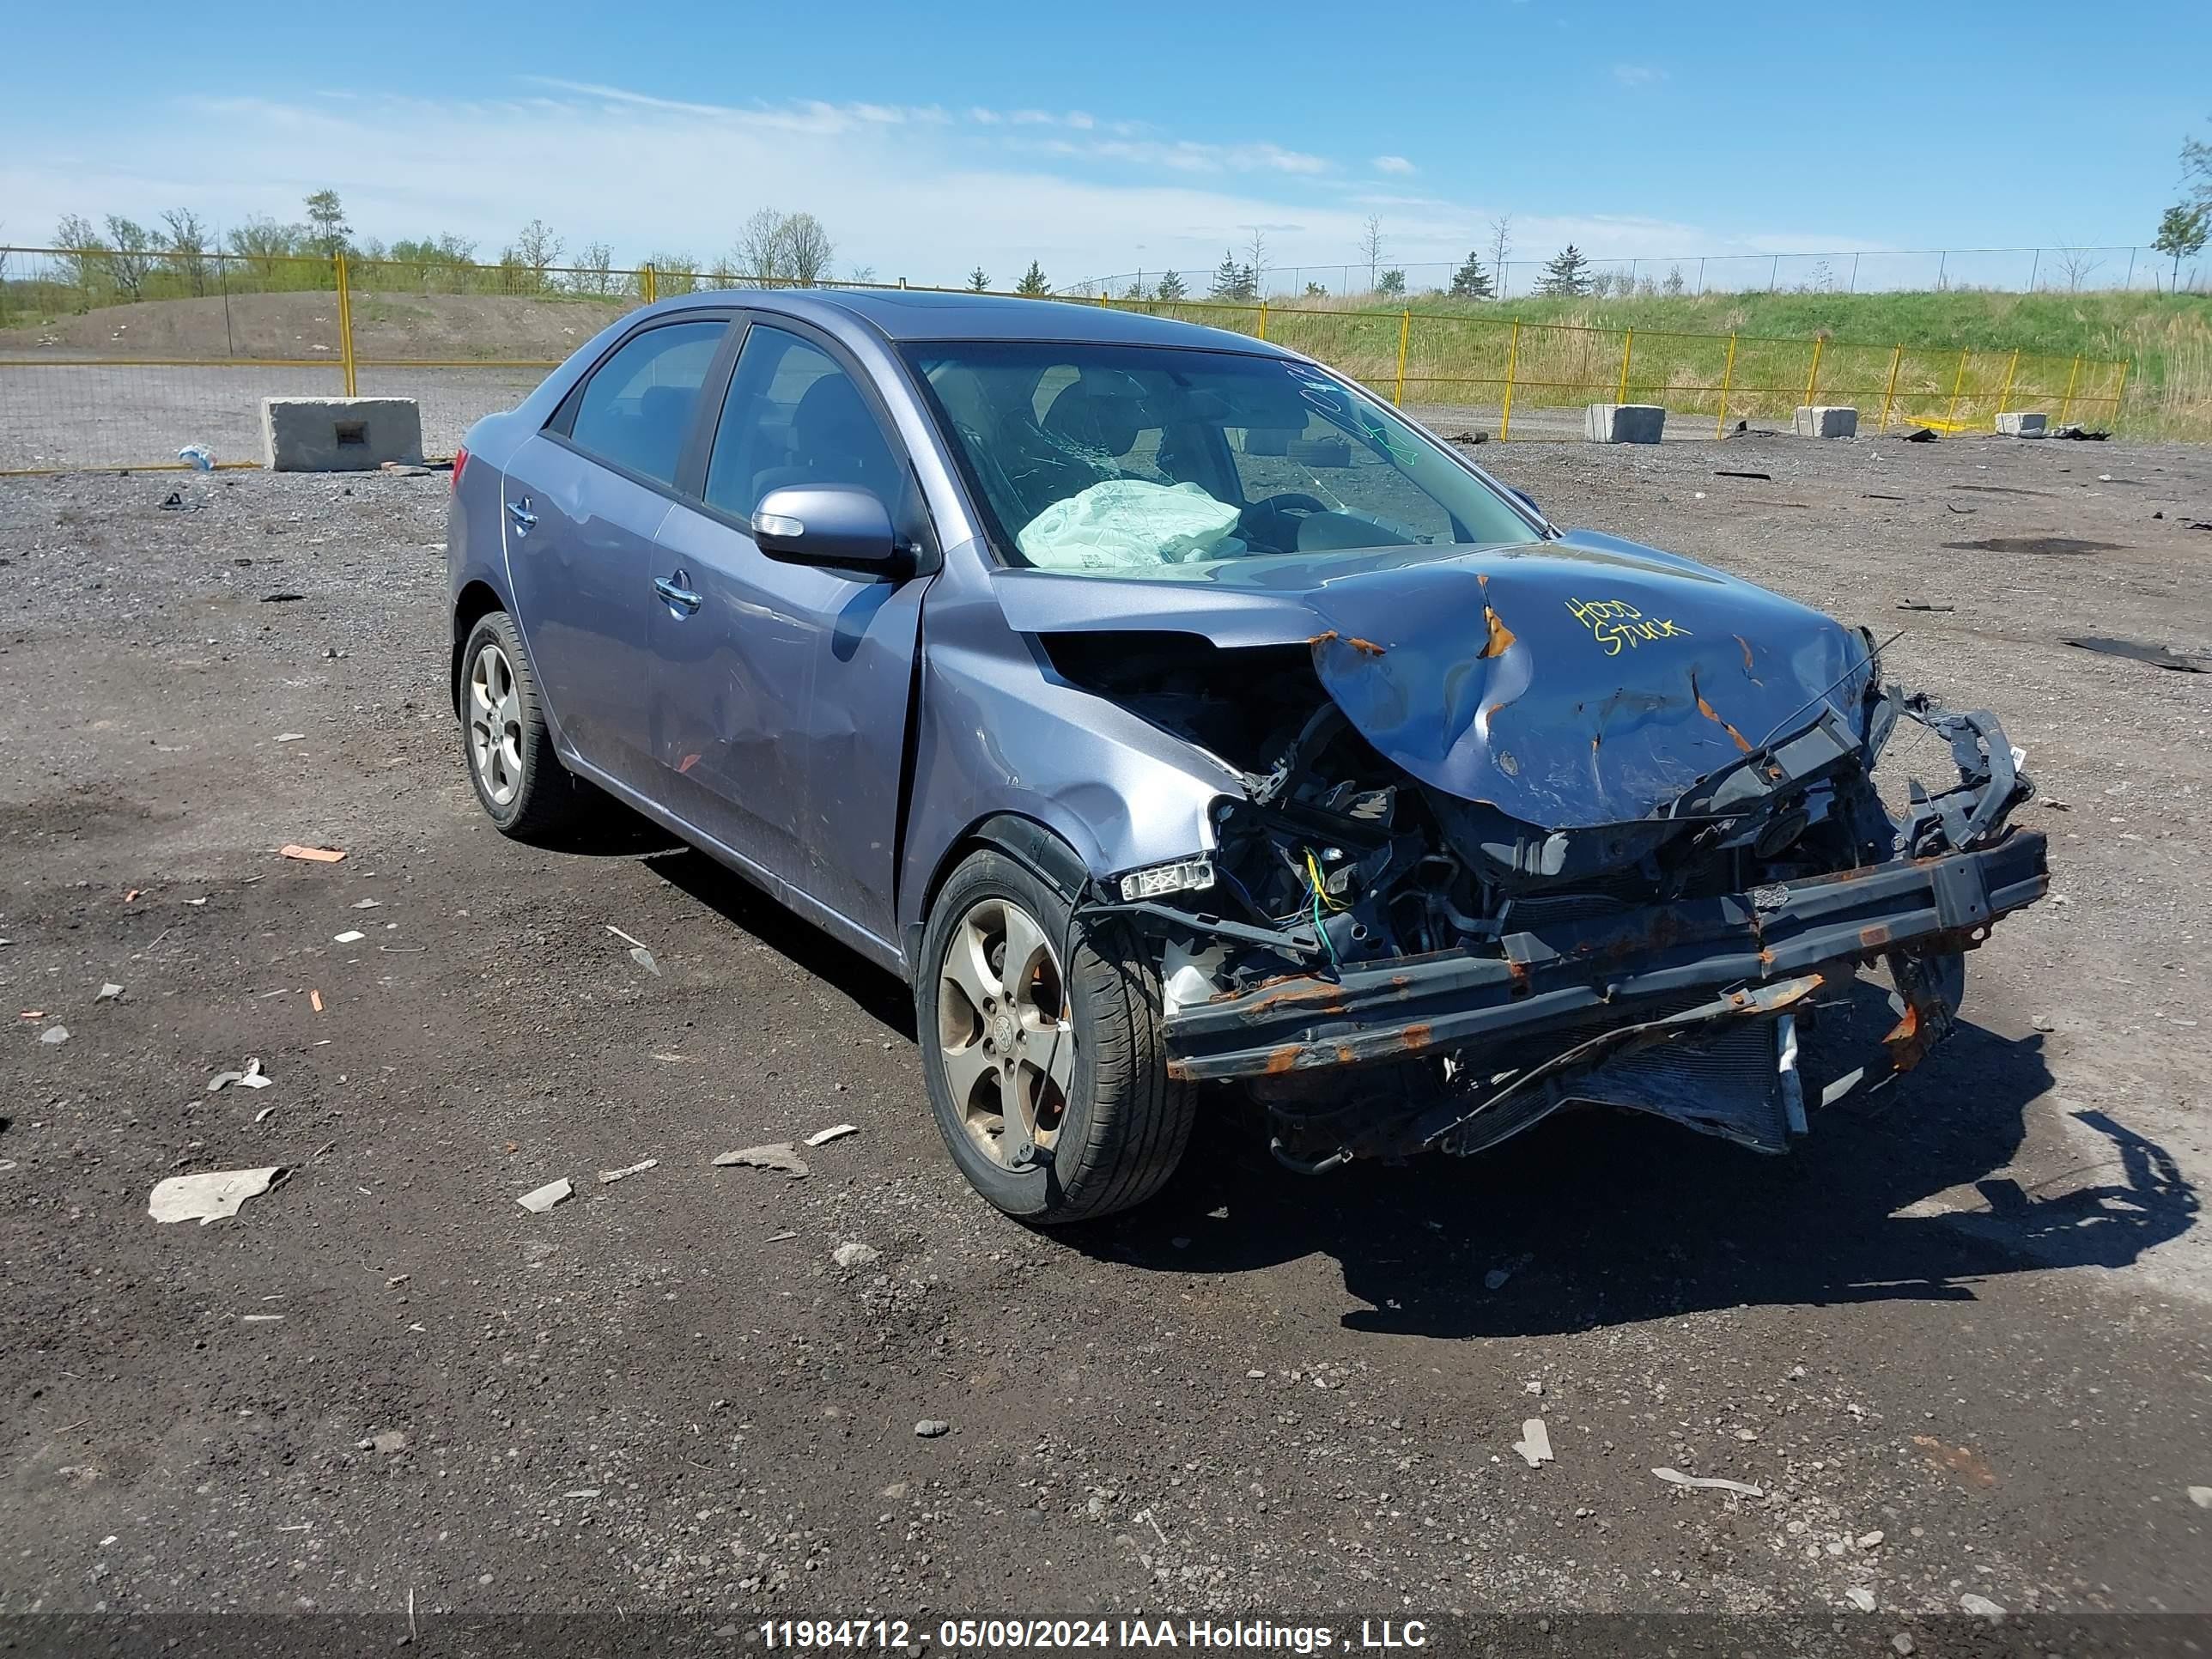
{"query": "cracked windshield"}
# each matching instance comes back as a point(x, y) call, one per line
point(1128, 460)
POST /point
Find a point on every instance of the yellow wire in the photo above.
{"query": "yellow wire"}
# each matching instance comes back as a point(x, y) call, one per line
point(1320, 891)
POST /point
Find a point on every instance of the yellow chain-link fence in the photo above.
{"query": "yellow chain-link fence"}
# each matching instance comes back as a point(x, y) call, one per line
point(114, 358)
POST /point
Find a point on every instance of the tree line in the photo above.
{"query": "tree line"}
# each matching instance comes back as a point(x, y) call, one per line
point(181, 255)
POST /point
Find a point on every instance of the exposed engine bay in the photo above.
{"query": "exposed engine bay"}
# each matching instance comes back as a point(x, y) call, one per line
point(1389, 964)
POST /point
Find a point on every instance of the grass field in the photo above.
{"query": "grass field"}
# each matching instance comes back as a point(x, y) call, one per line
point(2165, 339)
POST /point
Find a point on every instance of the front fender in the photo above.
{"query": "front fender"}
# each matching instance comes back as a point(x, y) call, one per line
point(998, 734)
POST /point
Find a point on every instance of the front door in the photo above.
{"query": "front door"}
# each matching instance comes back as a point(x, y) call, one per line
point(583, 502)
point(780, 692)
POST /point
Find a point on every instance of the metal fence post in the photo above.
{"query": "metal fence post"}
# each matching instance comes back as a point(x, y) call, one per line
point(2073, 375)
point(1512, 359)
point(1813, 378)
point(2004, 392)
point(1627, 345)
point(1958, 384)
point(648, 283)
point(2120, 390)
point(1896, 362)
point(345, 323)
point(1405, 332)
point(1263, 320)
point(1728, 378)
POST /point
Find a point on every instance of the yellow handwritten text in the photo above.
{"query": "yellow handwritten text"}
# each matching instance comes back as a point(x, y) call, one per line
point(1615, 622)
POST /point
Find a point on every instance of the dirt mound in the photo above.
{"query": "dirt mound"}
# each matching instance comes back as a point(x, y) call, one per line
point(387, 327)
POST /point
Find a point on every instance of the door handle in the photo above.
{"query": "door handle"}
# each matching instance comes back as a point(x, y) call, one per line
point(523, 518)
point(672, 589)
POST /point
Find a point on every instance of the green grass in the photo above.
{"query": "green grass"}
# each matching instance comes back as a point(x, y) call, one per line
point(2166, 339)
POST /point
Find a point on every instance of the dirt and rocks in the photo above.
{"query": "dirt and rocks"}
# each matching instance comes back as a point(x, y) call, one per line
point(1958, 1342)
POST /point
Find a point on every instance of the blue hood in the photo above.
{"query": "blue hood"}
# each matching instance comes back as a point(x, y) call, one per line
point(1568, 683)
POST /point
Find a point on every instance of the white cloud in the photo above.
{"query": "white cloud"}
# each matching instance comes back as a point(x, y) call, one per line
point(1393, 164)
point(1637, 75)
point(1184, 156)
point(909, 189)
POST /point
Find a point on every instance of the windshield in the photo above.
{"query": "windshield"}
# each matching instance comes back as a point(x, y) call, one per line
point(1118, 461)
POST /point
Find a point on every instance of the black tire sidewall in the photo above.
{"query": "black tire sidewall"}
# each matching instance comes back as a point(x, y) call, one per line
point(497, 628)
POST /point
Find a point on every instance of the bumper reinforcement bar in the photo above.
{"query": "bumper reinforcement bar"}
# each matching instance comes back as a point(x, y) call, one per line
point(1631, 966)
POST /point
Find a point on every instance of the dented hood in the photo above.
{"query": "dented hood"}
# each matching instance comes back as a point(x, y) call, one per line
point(1568, 683)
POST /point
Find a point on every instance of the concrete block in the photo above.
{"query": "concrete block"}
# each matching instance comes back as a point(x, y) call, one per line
point(1624, 423)
point(1827, 420)
point(2023, 425)
point(339, 434)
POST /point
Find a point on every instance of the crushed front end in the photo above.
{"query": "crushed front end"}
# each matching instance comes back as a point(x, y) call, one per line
point(1425, 926)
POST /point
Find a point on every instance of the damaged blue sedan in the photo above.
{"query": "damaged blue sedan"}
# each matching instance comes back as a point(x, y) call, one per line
point(1168, 712)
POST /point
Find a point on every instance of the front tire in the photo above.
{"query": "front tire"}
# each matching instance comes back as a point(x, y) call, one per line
point(1040, 1043)
point(505, 743)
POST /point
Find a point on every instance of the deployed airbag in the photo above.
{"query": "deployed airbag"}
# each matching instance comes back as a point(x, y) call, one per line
point(1129, 524)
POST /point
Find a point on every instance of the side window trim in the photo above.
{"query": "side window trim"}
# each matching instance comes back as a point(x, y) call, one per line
point(862, 381)
point(560, 425)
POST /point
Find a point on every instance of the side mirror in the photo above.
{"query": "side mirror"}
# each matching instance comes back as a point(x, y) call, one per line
point(1526, 500)
point(838, 526)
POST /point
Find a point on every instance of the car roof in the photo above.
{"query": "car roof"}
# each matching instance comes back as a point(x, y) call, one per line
point(903, 314)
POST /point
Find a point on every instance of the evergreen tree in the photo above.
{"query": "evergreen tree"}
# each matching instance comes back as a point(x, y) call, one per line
point(1566, 272)
point(1033, 284)
point(1471, 281)
point(979, 281)
point(1230, 280)
point(1171, 286)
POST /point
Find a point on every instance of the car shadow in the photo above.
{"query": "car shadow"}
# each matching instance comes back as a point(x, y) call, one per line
point(1598, 1217)
point(882, 996)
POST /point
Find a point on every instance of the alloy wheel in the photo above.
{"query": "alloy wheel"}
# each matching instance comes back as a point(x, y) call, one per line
point(495, 724)
point(1005, 1032)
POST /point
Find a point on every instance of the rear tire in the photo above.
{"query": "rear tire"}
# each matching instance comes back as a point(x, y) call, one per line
point(1108, 1125)
point(505, 743)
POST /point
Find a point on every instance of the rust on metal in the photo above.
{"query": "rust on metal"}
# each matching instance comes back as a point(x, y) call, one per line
point(1317, 993)
point(1500, 637)
point(1416, 1038)
point(1284, 1059)
point(1742, 743)
point(1907, 1041)
point(1365, 647)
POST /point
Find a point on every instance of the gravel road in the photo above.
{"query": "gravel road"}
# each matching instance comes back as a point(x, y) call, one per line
point(1958, 1342)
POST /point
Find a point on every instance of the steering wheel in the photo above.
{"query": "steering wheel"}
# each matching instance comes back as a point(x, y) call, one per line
point(1274, 512)
point(1287, 500)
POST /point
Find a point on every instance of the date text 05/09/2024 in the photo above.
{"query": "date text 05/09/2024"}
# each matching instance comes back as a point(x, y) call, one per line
point(1013, 1635)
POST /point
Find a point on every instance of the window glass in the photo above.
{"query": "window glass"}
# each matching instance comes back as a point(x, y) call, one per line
point(636, 408)
point(1122, 460)
point(795, 417)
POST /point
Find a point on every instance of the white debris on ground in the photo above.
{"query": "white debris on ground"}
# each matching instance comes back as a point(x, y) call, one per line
point(542, 1198)
point(776, 1154)
point(1712, 1482)
point(211, 1195)
point(1534, 1444)
point(836, 1131)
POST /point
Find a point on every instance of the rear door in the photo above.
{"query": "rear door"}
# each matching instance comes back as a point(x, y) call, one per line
point(582, 502)
point(780, 696)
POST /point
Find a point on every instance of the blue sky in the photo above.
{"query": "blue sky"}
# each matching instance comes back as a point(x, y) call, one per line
point(1101, 138)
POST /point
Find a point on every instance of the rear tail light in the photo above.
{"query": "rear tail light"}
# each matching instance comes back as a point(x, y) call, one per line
point(460, 460)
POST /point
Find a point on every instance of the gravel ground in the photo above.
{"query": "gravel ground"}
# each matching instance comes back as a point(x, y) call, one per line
point(1959, 1341)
